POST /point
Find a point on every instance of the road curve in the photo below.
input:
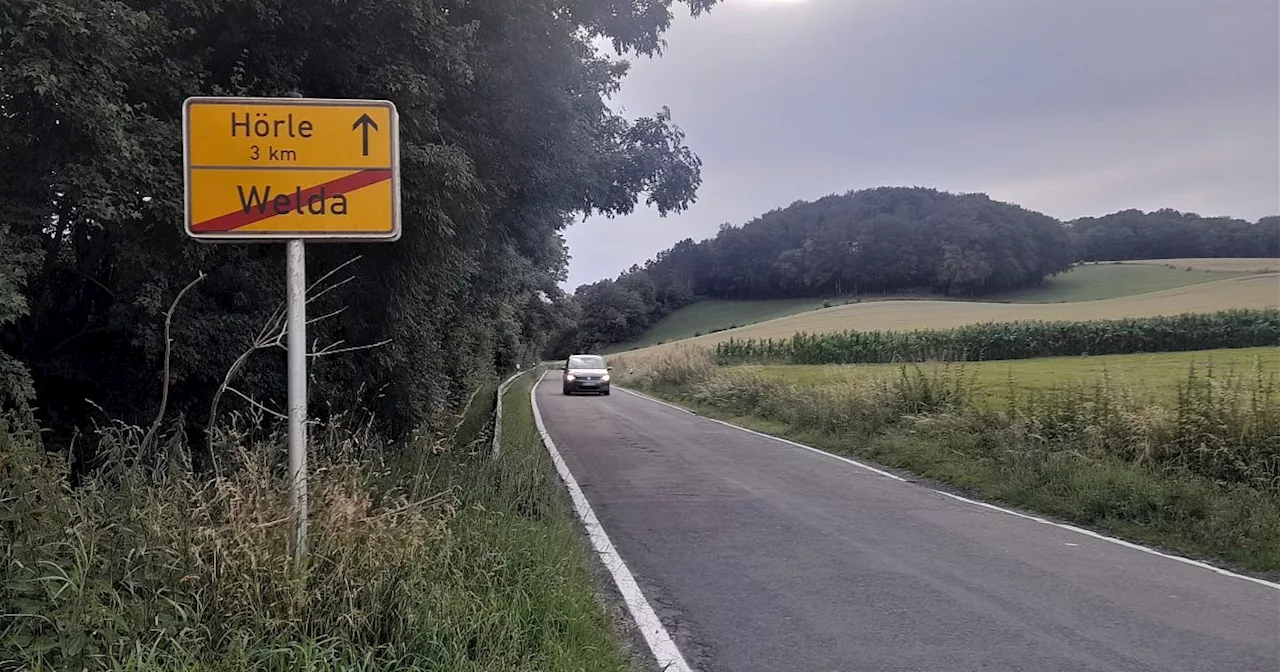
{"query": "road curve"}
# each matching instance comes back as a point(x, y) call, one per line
point(760, 556)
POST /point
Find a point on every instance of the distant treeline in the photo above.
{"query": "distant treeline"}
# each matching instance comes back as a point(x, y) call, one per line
point(1014, 340)
point(1169, 234)
point(889, 240)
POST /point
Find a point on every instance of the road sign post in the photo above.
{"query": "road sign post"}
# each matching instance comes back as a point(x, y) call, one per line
point(296, 326)
point(292, 169)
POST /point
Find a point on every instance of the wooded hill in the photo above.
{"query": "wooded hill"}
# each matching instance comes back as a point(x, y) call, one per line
point(889, 240)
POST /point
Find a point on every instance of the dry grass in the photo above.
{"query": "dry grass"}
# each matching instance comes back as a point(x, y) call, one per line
point(1256, 291)
point(1250, 265)
point(423, 557)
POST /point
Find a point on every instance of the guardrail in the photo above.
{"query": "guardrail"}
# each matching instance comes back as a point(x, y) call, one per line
point(497, 412)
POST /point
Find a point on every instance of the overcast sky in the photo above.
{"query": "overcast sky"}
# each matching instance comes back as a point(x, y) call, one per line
point(1068, 107)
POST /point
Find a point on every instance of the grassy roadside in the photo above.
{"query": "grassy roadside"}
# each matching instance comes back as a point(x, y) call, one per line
point(1199, 479)
point(545, 595)
point(528, 480)
point(424, 557)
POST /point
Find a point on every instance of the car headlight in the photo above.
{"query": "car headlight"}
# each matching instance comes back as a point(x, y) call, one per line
point(604, 378)
point(569, 377)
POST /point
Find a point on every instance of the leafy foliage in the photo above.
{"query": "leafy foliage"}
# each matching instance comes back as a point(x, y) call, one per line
point(505, 138)
point(1015, 340)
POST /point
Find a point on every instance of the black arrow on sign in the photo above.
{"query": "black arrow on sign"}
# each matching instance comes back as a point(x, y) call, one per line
point(366, 122)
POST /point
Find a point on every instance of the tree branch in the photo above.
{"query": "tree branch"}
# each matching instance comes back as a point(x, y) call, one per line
point(256, 404)
point(168, 349)
point(328, 315)
point(331, 351)
point(272, 335)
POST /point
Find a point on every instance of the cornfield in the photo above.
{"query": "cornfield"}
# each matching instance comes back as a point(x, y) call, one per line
point(1239, 328)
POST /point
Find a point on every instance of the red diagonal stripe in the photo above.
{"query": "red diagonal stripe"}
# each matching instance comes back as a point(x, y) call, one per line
point(342, 185)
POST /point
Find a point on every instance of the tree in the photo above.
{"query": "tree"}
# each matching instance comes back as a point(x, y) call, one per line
point(964, 269)
point(505, 139)
point(1170, 234)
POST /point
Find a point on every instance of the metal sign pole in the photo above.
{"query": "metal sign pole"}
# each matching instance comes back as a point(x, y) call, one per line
point(297, 342)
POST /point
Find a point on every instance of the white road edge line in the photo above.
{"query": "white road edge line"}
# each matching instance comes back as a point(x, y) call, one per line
point(661, 645)
point(1078, 530)
point(823, 453)
point(656, 400)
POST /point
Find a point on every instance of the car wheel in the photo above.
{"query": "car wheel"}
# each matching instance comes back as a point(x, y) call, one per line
point(566, 391)
point(605, 393)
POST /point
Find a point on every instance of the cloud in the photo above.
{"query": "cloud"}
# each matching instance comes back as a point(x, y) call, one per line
point(1072, 108)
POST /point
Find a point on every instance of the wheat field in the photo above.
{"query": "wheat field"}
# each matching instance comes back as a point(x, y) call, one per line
point(1254, 291)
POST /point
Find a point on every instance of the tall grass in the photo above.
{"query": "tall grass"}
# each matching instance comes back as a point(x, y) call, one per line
point(426, 557)
point(1015, 340)
point(1201, 474)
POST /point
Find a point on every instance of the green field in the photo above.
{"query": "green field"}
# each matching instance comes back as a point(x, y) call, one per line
point(1084, 283)
point(705, 317)
point(1108, 281)
point(1153, 376)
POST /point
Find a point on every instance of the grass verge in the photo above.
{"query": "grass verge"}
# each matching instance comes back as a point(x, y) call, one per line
point(431, 556)
point(1201, 477)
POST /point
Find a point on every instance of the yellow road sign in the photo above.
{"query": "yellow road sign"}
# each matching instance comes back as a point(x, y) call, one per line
point(291, 168)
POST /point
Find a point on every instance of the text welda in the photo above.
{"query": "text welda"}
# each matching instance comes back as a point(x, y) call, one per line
point(317, 201)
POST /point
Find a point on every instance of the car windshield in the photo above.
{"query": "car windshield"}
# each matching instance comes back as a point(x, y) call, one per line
point(586, 362)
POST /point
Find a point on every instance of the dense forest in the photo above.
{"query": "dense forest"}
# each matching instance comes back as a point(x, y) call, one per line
point(505, 139)
point(889, 240)
point(1169, 234)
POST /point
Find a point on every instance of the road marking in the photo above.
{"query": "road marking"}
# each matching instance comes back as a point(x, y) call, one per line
point(1121, 542)
point(823, 453)
point(1078, 530)
point(661, 645)
point(656, 400)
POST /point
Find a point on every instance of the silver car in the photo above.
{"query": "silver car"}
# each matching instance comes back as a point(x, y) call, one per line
point(586, 373)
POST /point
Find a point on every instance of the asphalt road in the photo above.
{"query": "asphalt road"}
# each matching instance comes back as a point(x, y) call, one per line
point(762, 556)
